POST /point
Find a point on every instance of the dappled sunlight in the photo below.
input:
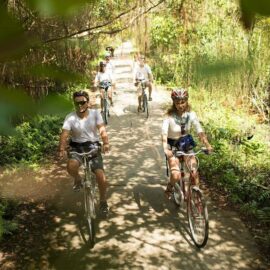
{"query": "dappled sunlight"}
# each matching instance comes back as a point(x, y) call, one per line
point(144, 230)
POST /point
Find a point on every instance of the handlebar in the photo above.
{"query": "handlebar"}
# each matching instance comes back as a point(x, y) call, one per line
point(178, 153)
point(89, 154)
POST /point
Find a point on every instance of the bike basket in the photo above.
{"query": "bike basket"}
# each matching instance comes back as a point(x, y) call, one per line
point(185, 143)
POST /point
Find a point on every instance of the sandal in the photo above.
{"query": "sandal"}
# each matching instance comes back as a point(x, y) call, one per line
point(169, 190)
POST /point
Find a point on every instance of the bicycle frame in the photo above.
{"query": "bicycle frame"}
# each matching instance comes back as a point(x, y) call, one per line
point(106, 105)
point(191, 181)
point(89, 185)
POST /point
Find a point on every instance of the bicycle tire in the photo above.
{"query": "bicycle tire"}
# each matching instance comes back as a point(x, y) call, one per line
point(197, 217)
point(90, 216)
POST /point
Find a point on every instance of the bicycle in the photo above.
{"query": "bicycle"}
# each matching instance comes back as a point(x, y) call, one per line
point(106, 106)
point(142, 87)
point(187, 190)
point(89, 187)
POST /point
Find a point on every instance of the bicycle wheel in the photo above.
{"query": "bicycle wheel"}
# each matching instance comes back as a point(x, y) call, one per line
point(145, 105)
point(197, 217)
point(90, 215)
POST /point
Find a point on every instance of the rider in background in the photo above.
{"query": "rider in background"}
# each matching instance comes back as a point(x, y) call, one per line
point(143, 71)
point(101, 76)
point(176, 131)
point(111, 69)
point(85, 125)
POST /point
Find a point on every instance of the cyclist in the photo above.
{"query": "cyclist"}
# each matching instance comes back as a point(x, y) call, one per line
point(110, 68)
point(101, 76)
point(84, 125)
point(176, 134)
point(110, 50)
point(143, 71)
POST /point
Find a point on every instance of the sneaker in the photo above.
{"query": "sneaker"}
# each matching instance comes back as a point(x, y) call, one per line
point(104, 208)
point(77, 186)
point(150, 99)
point(169, 191)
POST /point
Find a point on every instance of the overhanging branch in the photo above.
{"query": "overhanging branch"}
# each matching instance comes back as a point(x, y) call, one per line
point(92, 28)
point(89, 30)
point(131, 22)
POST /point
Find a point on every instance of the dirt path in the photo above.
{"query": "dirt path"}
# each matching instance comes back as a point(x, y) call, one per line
point(142, 231)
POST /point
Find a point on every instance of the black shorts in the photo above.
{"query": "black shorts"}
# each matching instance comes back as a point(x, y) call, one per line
point(96, 162)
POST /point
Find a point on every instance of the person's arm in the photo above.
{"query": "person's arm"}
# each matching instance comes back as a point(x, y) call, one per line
point(200, 132)
point(204, 140)
point(96, 81)
point(63, 143)
point(150, 74)
point(104, 137)
point(167, 152)
point(164, 136)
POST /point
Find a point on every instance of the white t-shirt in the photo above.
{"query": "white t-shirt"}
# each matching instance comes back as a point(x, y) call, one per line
point(142, 72)
point(83, 129)
point(110, 67)
point(171, 126)
point(103, 76)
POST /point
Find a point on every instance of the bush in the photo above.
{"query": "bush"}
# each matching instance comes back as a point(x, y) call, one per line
point(33, 140)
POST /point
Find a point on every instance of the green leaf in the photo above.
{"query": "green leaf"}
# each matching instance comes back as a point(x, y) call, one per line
point(55, 105)
point(54, 72)
point(13, 40)
point(57, 7)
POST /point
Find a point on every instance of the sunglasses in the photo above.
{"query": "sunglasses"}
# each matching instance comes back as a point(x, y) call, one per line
point(80, 103)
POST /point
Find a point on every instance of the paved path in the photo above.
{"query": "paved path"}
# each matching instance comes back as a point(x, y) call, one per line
point(142, 231)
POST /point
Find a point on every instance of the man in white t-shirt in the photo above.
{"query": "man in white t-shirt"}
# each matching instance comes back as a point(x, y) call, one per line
point(143, 71)
point(110, 69)
point(85, 126)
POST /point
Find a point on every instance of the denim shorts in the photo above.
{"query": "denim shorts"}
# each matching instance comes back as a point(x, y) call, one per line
point(96, 162)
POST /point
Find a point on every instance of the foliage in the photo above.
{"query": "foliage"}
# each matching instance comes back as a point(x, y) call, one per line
point(241, 161)
point(209, 49)
point(33, 141)
point(7, 223)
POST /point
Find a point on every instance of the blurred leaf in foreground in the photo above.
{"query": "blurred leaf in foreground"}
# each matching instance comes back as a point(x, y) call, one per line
point(57, 7)
point(13, 40)
point(205, 69)
point(54, 72)
point(15, 103)
point(250, 8)
point(55, 105)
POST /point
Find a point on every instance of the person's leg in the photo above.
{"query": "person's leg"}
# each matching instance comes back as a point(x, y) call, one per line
point(73, 169)
point(110, 95)
point(139, 94)
point(175, 175)
point(150, 87)
point(102, 184)
point(191, 163)
point(101, 99)
point(97, 168)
